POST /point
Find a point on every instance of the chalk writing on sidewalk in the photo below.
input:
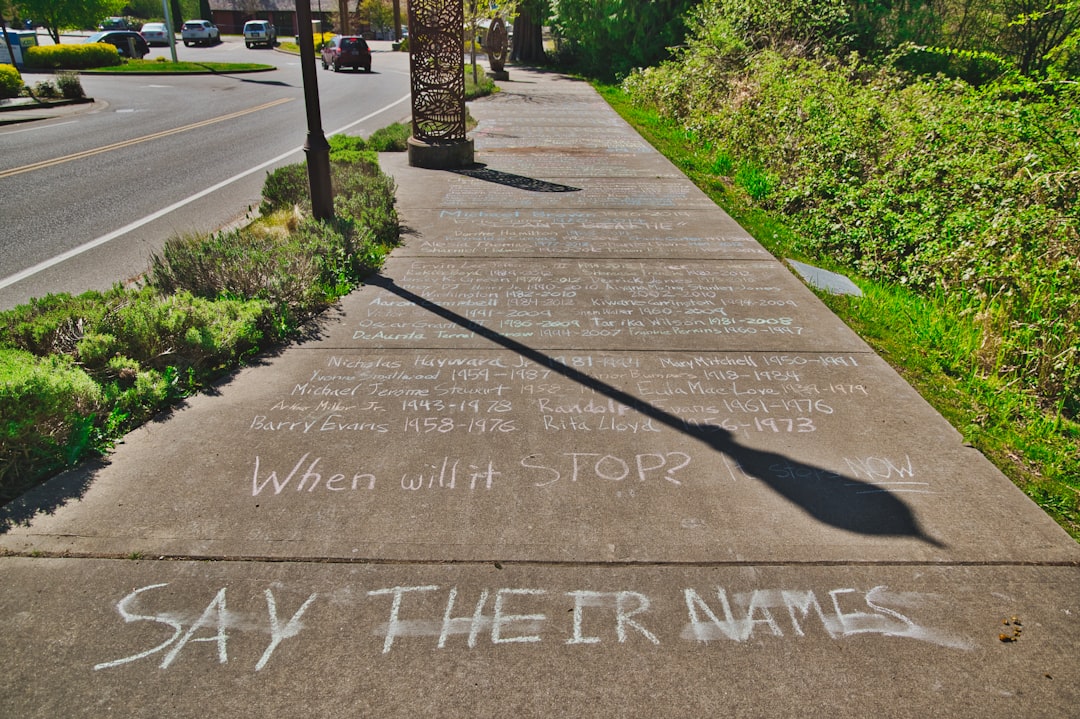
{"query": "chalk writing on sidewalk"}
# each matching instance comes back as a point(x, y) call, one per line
point(454, 619)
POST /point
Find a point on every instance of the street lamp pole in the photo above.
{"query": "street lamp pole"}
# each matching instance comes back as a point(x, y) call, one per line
point(316, 147)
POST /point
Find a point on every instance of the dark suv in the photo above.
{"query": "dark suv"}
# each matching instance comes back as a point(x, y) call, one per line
point(346, 50)
point(127, 43)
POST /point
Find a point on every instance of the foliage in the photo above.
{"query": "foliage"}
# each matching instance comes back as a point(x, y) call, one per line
point(45, 90)
point(392, 138)
point(609, 38)
point(933, 184)
point(1039, 30)
point(142, 9)
point(477, 83)
point(57, 15)
point(72, 57)
point(285, 187)
point(805, 26)
point(379, 13)
point(43, 405)
point(11, 82)
point(78, 372)
point(963, 196)
point(70, 85)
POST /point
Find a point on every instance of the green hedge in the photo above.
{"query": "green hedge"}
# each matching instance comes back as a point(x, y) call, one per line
point(11, 83)
point(72, 57)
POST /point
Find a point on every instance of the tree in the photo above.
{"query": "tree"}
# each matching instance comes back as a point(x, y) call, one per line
point(379, 14)
point(528, 43)
point(57, 15)
point(1037, 29)
point(609, 38)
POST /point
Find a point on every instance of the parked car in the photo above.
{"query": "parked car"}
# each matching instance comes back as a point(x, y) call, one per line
point(117, 23)
point(346, 50)
point(127, 42)
point(155, 33)
point(200, 32)
point(260, 32)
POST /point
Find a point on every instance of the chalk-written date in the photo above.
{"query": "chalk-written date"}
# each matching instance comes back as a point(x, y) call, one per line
point(475, 425)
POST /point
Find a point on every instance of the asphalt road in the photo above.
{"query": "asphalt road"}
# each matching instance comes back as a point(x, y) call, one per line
point(87, 199)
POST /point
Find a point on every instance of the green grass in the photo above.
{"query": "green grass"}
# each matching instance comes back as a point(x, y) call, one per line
point(483, 86)
point(165, 67)
point(934, 342)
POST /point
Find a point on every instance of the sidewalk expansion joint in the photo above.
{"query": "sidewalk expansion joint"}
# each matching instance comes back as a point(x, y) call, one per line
point(555, 563)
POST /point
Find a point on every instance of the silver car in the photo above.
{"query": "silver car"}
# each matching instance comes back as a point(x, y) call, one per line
point(200, 32)
point(155, 33)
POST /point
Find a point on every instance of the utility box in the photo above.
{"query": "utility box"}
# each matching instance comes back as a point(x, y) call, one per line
point(19, 41)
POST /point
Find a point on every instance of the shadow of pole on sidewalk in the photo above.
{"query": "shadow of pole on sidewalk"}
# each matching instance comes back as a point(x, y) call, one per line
point(840, 501)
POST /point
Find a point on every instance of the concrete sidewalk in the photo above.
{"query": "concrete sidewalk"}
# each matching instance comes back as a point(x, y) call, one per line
point(583, 449)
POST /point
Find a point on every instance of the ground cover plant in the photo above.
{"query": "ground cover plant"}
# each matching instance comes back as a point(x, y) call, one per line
point(954, 205)
point(77, 372)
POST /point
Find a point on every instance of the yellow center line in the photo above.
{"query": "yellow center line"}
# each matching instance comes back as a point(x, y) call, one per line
point(135, 141)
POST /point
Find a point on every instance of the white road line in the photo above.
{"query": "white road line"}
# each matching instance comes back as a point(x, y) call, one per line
point(39, 127)
point(74, 252)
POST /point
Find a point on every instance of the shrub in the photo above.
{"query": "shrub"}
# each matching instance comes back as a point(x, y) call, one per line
point(946, 188)
point(72, 57)
point(44, 406)
point(244, 263)
point(347, 148)
point(46, 89)
point(285, 187)
point(69, 85)
point(11, 83)
point(365, 196)
point(392, 138)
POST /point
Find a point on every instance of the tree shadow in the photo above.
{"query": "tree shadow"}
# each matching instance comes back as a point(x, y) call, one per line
point(830, 497)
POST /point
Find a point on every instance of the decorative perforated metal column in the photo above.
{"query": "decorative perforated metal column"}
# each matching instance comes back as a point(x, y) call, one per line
point(437, 70)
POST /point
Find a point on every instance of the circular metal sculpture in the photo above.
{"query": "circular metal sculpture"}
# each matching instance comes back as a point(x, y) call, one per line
point(496, 44)
point(437, 70)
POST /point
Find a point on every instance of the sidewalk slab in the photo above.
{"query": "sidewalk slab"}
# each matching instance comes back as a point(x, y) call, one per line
point(192, 639)
point(614, 304)
point(583, 448)
point(609, 456)
point(578, 234)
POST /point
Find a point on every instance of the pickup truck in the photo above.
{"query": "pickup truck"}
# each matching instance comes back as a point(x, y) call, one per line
point(200, 32)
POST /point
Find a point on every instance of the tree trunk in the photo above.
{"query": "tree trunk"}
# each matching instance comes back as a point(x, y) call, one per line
point(528, 38)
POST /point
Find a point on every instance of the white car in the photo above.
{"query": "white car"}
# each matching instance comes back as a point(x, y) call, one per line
point(200, 32)
point(155, 33)
point(259, 32)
